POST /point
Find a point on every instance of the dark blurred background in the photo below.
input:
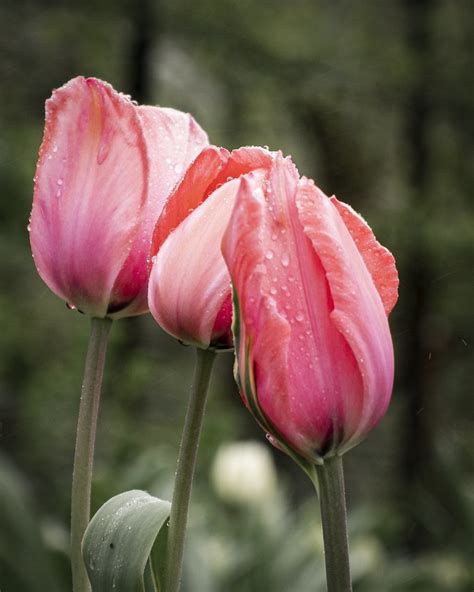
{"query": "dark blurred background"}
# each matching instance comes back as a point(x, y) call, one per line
point(374, 101)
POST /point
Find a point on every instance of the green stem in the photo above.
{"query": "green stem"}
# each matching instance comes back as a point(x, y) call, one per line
point(334, 517)
point(185, 471)
point(84, 453)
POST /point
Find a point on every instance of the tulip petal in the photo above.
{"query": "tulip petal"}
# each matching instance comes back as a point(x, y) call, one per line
point(192, 191)
point(90, 180)
point(259, 278)
point(173, 140)
point(245, 160)
point(358, 312)
point(242, 250)
point(378, 260)
point(187, 292)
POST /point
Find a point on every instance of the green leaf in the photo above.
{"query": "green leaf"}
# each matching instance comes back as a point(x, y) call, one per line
point(119, 539)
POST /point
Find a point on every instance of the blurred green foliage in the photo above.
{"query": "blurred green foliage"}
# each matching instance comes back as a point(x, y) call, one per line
point(374, 101)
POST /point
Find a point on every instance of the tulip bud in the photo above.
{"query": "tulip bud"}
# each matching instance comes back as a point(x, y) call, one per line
point(189, 292)
point(312, 290)
point(105, 169)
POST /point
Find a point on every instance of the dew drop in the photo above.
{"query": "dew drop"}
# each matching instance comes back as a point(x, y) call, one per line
point(273, 290)
point(70, 306)
point(299, 316)
point(178, 168)
point(269, 255)
point(59, 181)
point(285, 260)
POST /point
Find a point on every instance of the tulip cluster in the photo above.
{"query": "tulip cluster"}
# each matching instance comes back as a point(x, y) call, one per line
point(134, 211)
point(130, 208)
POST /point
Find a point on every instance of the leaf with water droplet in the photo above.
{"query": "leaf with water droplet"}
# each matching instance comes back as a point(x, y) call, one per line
point(119, 540)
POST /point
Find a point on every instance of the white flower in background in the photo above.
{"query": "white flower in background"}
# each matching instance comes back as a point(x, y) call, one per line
point(244, 473)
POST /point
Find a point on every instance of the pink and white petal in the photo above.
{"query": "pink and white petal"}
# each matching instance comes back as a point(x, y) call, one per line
point(184, 135)
point(378, 260)
point(190, 193)
point(187, 293)
point(91, 183)
point(173, 140)
point(358, 310)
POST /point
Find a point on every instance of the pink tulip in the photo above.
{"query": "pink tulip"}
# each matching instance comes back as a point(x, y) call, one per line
point(189, 291)
point(312, 291)
point(105, 169)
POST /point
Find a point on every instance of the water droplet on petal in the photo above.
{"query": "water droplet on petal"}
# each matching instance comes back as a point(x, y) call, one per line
point(285, 260)
point(269, 254)
point(299, 316)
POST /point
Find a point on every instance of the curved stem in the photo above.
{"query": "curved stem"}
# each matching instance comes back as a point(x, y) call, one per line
point(84, 452)
point(185, 471)
point(334, 517)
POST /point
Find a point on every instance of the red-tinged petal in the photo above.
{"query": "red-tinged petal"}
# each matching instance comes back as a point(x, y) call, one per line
point(358, 312)
point(242, 250)
point(192, 191)
point(211, 169)
point(378, 260)
point(242, 161)
point(258, 246)
point(187, 291)
point(221, 331)
point(91, 183)
point(173, 140)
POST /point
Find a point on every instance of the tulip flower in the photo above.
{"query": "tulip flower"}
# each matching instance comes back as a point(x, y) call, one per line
point(105, 168)
point(313, 288)
point(312, 291)
point(189, 290)
point(190, 297)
